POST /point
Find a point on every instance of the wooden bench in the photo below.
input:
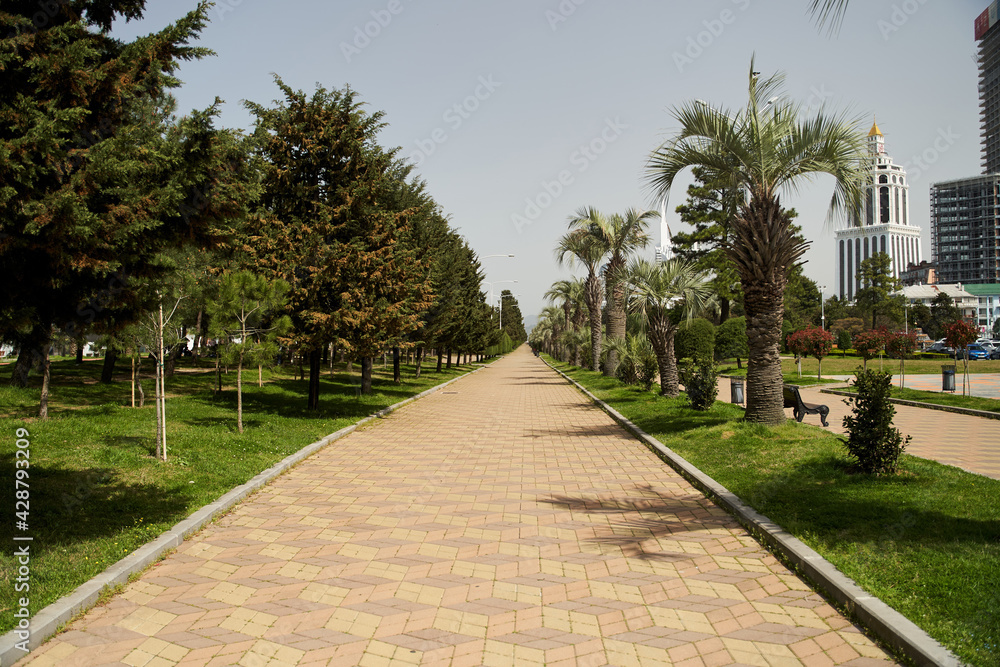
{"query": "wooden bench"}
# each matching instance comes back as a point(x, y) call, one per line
point(793, 399)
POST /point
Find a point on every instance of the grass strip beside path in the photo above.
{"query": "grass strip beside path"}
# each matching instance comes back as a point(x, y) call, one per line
point(96, 491)
point(926, 541)
point(941, 398)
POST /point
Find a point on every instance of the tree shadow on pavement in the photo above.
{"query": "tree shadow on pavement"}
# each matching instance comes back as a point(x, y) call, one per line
point(649, 516)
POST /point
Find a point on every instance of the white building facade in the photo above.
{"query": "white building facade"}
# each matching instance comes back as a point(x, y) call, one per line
point(883, 222)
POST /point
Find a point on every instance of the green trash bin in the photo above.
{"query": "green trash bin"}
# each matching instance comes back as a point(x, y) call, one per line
point(948, 378)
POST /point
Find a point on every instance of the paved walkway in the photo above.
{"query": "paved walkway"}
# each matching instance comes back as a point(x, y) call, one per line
point(970, 443)
point(502, 521)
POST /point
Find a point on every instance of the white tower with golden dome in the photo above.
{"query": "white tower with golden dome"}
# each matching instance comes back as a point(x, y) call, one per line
point(883, 224)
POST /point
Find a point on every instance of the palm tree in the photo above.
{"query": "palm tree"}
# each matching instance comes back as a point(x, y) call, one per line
point(762, 149)
point(579, 245)
point(621, 235)
point(656, 288)
point(828, 13)
point(558, 319)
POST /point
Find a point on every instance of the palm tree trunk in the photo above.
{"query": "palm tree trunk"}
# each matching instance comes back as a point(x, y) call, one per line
point(616, 315)
point(594, 305)
point(765, 309)
point(661, 335)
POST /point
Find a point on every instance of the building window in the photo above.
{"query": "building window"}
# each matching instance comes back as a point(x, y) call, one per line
point(883, 179)
point(883, 204)
point(869, 207)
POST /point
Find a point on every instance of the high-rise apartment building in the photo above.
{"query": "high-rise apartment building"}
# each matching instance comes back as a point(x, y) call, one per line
point(965, 229)
point(884, 222)
point(988, 36)
point(965, 213)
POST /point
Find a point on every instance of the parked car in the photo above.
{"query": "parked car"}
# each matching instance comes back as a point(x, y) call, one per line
point(975, 352)
point(942, 347)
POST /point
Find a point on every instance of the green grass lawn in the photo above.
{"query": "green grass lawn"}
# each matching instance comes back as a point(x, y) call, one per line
point(789, 377)
point(944, 398)
point(837, 365)
point(97, 492)
point(926, 541)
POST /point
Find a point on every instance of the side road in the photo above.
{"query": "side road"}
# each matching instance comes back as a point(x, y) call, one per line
point(967, 442)
point(506, 520)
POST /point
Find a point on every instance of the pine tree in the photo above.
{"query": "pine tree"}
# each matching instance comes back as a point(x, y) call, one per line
point(325, 227)
point(96, 176)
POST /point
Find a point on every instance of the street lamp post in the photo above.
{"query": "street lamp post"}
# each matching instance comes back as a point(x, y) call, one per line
point(488, 282)
point(822, 307)
point(491, 286)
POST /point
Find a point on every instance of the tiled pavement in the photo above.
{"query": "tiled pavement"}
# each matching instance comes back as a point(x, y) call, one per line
point(502, 521)
point(970, 443)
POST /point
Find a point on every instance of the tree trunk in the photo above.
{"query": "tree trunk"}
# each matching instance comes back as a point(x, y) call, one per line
point(419, 359)
point(80, 344)
point(594, 305)
point(366, 375)
point(724, 305)
point(661, 335)
point(218, 373)
point(134, 376)
point(449, 360)
point(171, 361)
point(326, 354)
point(260, 375)
point(198, 338)
point(764, 303)
point(395, 366)
point(350, 365)
point(43, 403)
point(108, 370)
point(440, 358)
point(239, 393)
point(315, 359)
point(19, 377)
point(616, 312)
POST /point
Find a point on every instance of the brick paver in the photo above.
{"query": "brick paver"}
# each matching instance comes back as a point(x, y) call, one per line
point(502, 521)
point(970, 443)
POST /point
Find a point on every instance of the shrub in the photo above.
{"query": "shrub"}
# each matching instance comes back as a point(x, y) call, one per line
point(636, 360)
point(695, 340)
point(700, 382)
point(731, 340)
point(872, 439)
point(844, 340)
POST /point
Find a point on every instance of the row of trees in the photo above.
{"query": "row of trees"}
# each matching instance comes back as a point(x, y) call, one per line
point(305, 233)
point(744, 159)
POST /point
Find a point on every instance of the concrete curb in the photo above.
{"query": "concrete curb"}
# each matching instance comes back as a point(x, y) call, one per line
point(883, 621)
point(929, 406)
point(47, 621)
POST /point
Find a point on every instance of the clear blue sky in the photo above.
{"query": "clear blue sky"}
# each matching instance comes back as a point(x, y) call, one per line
point(497, 101)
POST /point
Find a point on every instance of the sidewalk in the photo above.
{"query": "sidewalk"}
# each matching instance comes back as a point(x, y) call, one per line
point(503, 521)
point(970, 443)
